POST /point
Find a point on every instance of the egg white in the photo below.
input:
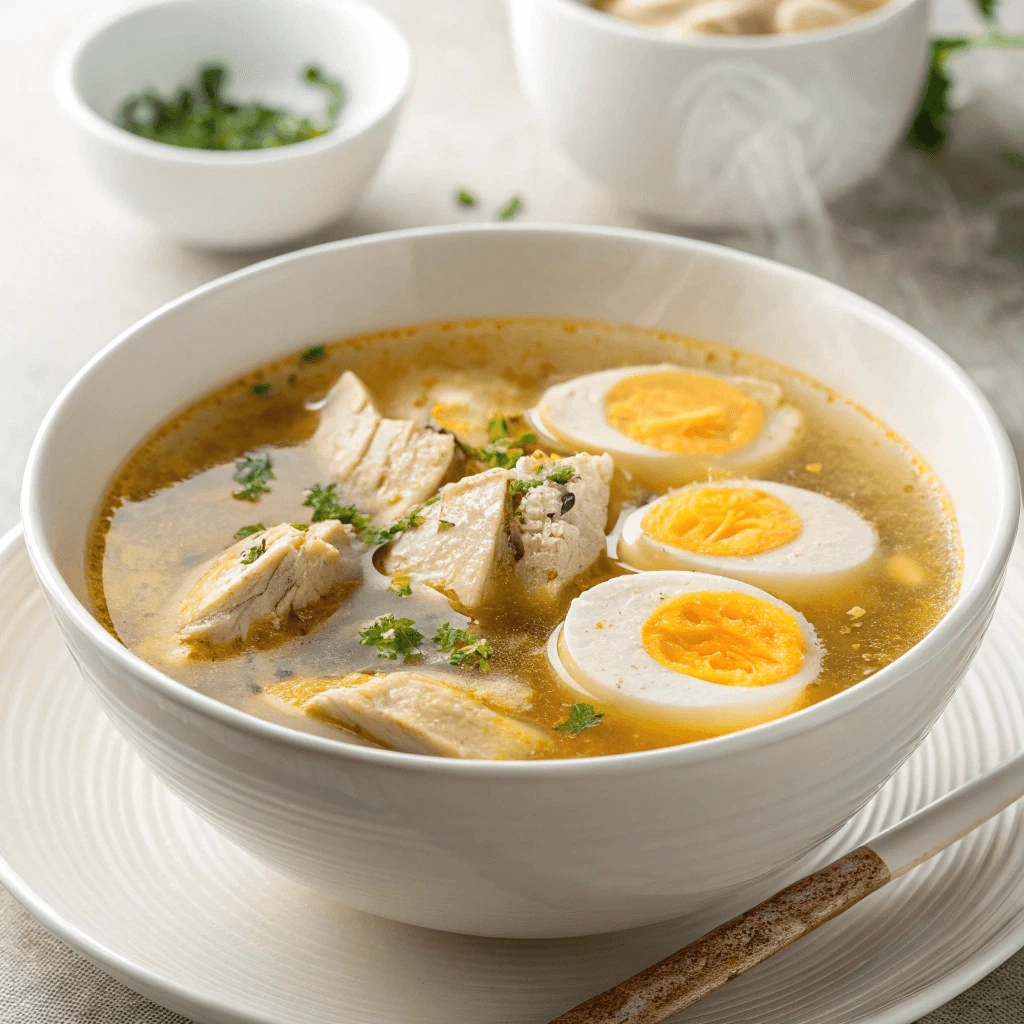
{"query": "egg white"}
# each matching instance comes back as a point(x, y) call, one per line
point(572, 415)
point(609, 663)
point(833, 549)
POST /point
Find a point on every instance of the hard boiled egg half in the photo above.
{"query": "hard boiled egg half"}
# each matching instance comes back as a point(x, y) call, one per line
point(790, 541)
point(687, 647)
point(669, 424)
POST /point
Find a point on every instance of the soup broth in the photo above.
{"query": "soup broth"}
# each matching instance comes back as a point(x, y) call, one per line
point(172, 509)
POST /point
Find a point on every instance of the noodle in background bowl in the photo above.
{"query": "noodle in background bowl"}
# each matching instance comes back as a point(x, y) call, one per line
point(527, 848)
point(721, 132)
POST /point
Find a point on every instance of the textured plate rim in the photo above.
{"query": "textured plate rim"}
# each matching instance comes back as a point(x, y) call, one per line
point(158, 987)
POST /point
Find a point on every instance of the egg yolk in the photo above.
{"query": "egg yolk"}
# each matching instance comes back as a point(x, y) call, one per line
point(689, 413)
point(723, 521)
point(724, 637)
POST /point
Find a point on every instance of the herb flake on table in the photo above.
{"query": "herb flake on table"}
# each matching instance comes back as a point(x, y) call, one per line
point(198, 115)
point(253, 472)
point(393, 638)
point(581, 716)
point(510, 209)
point(464, 648)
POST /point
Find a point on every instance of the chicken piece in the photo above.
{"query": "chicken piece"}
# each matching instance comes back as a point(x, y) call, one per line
point(292, 570)
point(384, 467)
point(561, 525)
point(458, 559)
point(420, 715)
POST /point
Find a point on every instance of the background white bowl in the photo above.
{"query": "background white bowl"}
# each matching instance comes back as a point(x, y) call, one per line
point(721, 131)
point(245, 199)
point(522, 848)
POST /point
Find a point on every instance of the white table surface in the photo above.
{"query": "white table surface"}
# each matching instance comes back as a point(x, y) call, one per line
point(941, 243)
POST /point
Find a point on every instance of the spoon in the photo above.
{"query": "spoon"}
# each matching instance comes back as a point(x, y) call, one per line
point(731, 949)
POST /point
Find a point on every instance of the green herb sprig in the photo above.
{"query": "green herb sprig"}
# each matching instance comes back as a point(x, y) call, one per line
point(253, 472)
point(314, 354)
point(393, 638)
point(510, 209)
point(503, 452)
point(199, 116)
point(326, 505)
point(581, 716)
point(250, 556)
point(464, 648)
point(401, 585)
point(929, 130)
point(248, 531)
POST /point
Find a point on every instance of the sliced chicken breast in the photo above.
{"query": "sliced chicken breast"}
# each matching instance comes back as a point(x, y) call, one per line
point(420, 715)
point(382, 466)
point(460, 541)
point(265, 578)
point(561, 525)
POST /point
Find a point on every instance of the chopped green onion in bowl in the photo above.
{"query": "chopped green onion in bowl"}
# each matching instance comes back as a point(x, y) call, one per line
point(199, 116)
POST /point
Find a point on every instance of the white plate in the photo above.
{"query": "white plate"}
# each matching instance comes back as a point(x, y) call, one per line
point(108, 859)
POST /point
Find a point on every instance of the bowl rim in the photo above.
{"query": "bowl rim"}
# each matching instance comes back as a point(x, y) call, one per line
point(83, 114)
point(602, 21)
point(970, 603)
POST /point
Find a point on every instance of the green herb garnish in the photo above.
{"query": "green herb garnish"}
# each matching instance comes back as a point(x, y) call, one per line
point(393, 638)
point(301, 527)
point(560, 475)
point(253, 553)
point(503, 452)
point(252, 472)
point(444, 524)
point(326, 505)
point(401, 585)
point(261, 389)
point(248, 531)
point(465, 649)
point(510, 209)
point(1014, 159)
point(465, 198)
point(314, 354)
point(581, 716)
point(198, 116)
point(928, 131)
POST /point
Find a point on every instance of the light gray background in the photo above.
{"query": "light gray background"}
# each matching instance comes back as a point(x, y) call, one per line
point(940, 242)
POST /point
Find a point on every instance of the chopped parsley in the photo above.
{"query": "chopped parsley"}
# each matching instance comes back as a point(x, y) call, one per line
point(401, 585)
point(197, 115)
point(326, 505)
point(560, 475)
point(250, 556)
point(464, 198)
point(581, 716)
point(314, 354)
point(301, 527)
point(252, 472)
point(248, 531)
point(262, 388)
point(444, 524)
point(510, 209)
point(1014, 159)
point(393, 638)
point(464, 648)
point(503, 451)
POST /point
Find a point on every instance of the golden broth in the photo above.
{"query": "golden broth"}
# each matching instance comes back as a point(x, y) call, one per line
point(170, 510)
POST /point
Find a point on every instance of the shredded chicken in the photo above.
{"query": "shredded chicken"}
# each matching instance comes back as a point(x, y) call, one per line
point(382, 466)
point(265, 578)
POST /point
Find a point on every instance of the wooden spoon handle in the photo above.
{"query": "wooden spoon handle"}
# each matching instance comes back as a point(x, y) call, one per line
point(734, 947)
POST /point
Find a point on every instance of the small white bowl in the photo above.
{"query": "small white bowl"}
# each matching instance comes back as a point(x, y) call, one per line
point(722, 132)
point(522, 848)
point(243, 199)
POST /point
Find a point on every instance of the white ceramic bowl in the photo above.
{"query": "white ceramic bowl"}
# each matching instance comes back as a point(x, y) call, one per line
point(722, 131)
point(239, 200)
point(538, 848)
